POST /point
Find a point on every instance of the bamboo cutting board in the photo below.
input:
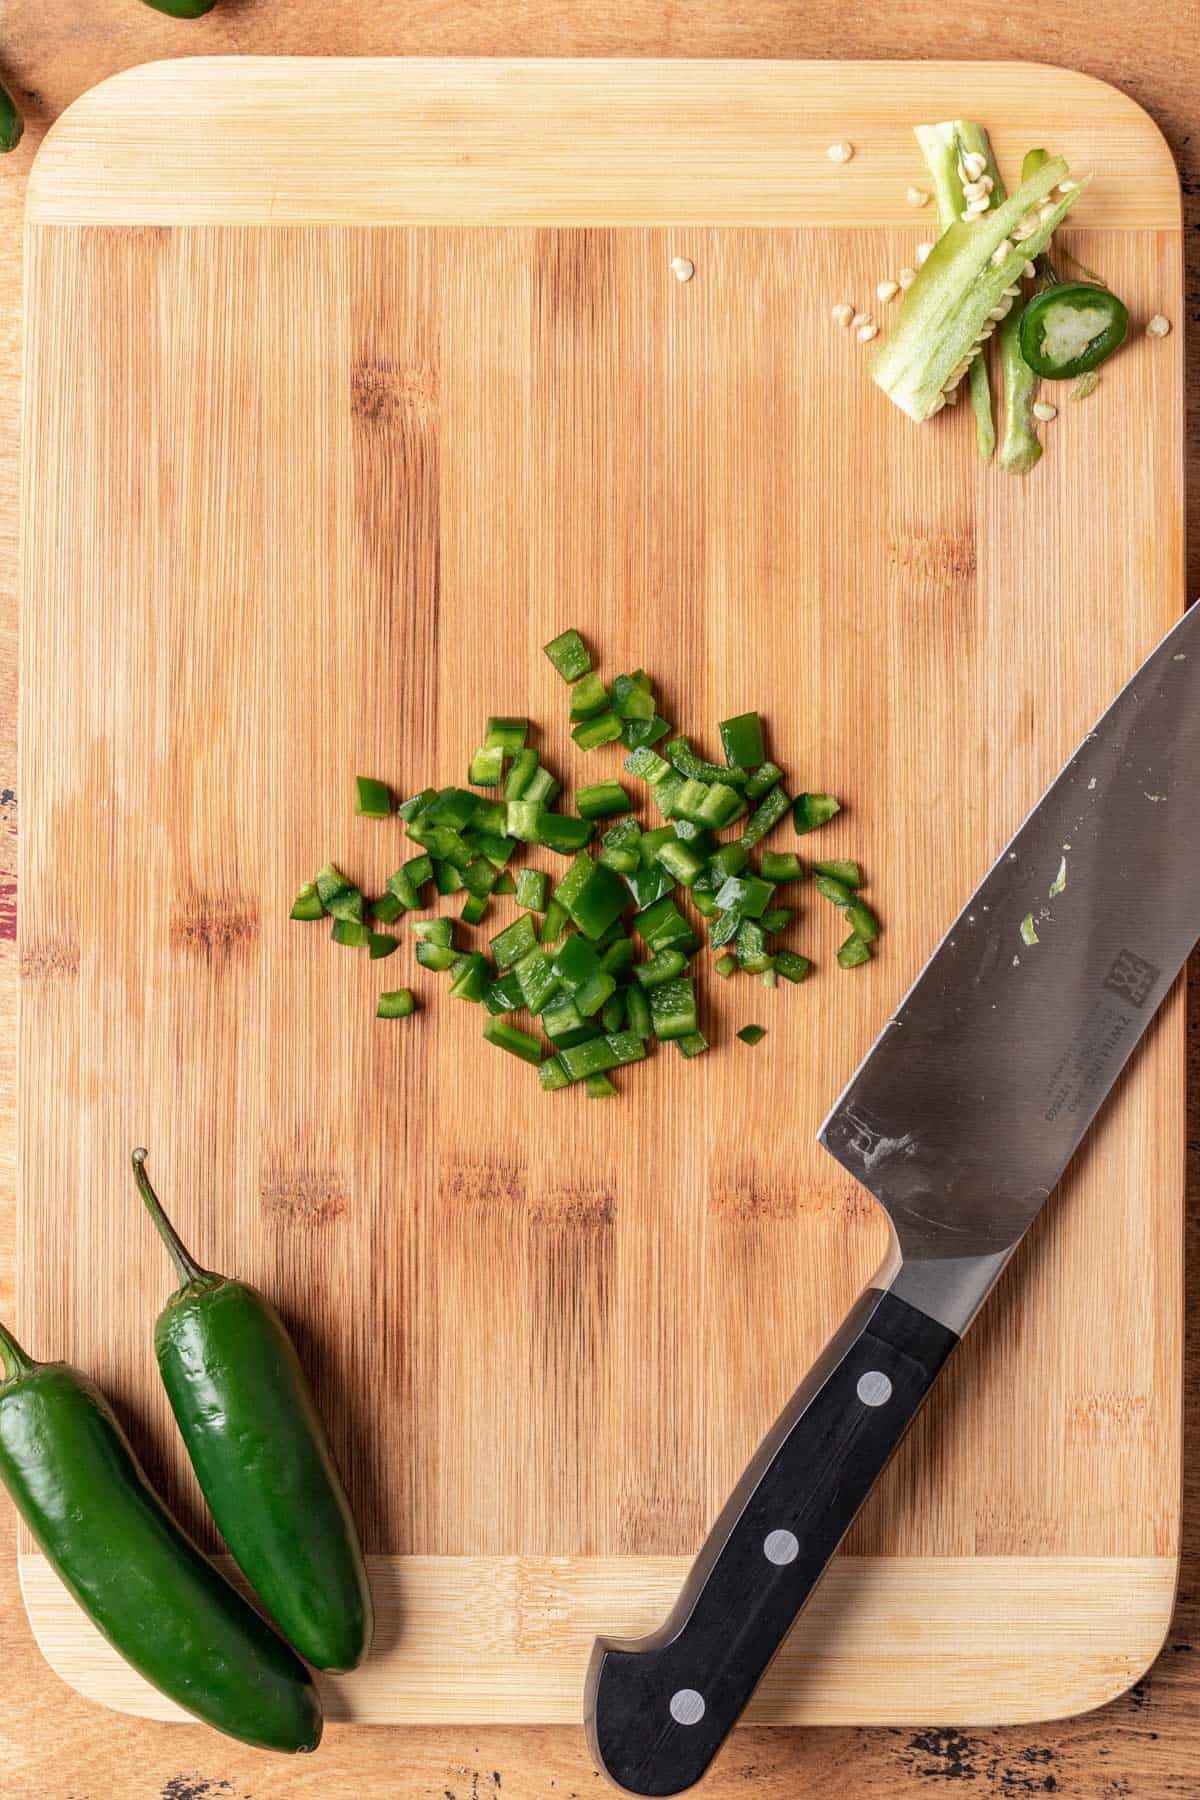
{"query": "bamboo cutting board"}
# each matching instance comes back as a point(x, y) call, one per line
point(349, 384)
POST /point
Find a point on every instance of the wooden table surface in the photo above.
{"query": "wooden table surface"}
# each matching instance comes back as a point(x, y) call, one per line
point(53, 1746)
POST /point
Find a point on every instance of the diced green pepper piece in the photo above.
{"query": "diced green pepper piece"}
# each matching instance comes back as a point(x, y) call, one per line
point(419, 870)
point(791, 965)
point(649, 885)
point(553, 1076)
point(562, 832)
point(538, 981)
point(352, 933)
point(575, 960)
point(589, 698)
point(623, 860)
point(591, 1058)
point(680, 861)
point(448, 878)
point(752, 950)
point(532, 889)
point(438, 957)
point(649, 765)
point(848, 873)
point(506, 735)
point(511, 1038)
point(763, 780)
point(769, 978)
point(453, 806)
point(665, 965)
point(626, 1046)
point(742, 741)
point(600, 1087)
point(830, 888)
point(637, 1012)
point(372, 799)
point(552, 924)
point(776, 918)
point(612, 1016)
point(605, 729)
point(705, 905)
point(811, 810)
point(381, 944)
point(685, 760)
point(398, 1004)
point(766, 817)
point(489, 818)
point(592, 994)
point(524, 768)
point(752, 1034)
point(473, 979)
point(673, 1008)
point(480, 876)
point(474, 909)
point(863, 920)
point(568, 653)
point(602, 898)
point(745, 894)
point(563, 1022)
point(521, 820)
point(434, 931)
point(572, 882)
point(698, 838)
point(730, 859)
point(339, 896)
point(514, 942)
point(853, 952)
point(662, 925)
point(541, 788)
point(618, 956)
point(638, 733)
point(387, 909)
point(602, 800)
point(775, 865)
point(497, 848)
point(693, 1044)
point(487, 766)
point(632, 697)
point(307, 904)
point(505, 885)
point(725, 929)
point(413, 808)
point(667, 792)
point(725, 966)
point(504, 994)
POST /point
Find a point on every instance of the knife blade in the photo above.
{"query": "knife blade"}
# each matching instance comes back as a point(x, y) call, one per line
point(960, 1121)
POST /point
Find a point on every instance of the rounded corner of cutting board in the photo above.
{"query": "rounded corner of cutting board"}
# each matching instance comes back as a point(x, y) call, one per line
point(1096, 95)
point(1064, 1636)
point(572, 141)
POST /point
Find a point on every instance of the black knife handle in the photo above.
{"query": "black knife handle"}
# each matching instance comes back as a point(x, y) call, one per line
point(659, 1709)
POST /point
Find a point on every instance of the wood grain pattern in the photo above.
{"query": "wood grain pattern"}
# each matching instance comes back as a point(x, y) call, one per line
point(279, 141)
point(1025, 1634)
point(321, 428)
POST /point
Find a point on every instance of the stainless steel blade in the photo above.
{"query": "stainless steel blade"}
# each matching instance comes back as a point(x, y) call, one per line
point(970, 1105)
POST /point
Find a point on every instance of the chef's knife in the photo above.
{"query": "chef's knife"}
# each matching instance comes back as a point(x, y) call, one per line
point(960, 1122)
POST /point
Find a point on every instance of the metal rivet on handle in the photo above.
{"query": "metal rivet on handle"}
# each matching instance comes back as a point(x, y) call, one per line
point(874, 1388)
point(781, 1547)
point(687, 1706)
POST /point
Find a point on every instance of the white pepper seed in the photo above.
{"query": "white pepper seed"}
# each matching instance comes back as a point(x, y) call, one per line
point(840, 153)
point(1159, 326)
point(887, 290)
point(906, 277)
point(1044, 411)
point(917, 196)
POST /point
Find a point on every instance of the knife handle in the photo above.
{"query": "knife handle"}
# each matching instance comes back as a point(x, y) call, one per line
point(658, 1709)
